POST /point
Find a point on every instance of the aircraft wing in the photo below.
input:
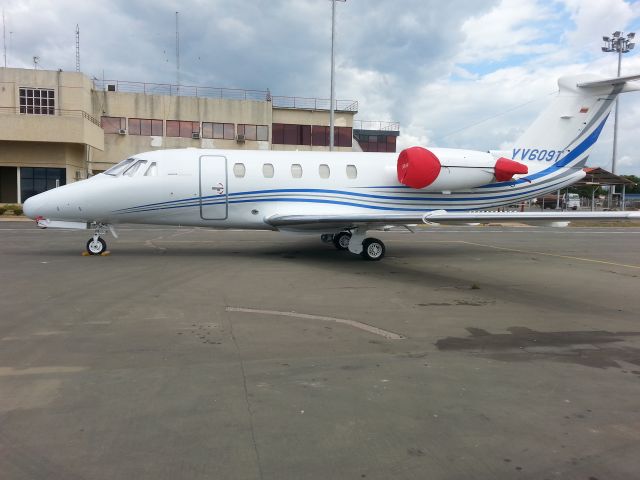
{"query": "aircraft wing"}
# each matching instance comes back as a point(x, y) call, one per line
point(320, 222)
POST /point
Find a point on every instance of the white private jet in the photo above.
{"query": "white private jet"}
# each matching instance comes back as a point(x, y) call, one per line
point(344, 195)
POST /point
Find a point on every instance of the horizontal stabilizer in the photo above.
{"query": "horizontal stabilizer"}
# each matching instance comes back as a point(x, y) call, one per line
point(609, 81)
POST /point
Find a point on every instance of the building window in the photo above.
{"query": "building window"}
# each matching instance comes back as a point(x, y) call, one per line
point(113, 124)
point(37, 101)
point(320, 135)
point(324, 171)
point(182, 128)
point(239, 170)
point(222, 131)
point(267, 170)
point(342, 136)
point(145, 126)
point(296, 170)
point(291, 134)
point(378, 143)
point(37, 180)
point(254, 132)
point(352, 172)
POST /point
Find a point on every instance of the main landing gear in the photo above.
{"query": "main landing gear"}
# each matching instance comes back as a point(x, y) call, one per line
point(96, 245)
point(357, 242)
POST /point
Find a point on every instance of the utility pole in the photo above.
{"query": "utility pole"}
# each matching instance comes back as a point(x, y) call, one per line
point(333, 89)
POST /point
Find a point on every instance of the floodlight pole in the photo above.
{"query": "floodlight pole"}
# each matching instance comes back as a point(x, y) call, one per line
point(333, 68)
point(620, 44)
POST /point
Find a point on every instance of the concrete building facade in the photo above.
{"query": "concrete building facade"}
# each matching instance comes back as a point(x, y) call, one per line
point(59, 127)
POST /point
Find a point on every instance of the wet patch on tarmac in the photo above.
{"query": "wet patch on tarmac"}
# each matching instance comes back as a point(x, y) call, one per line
point(587, 348)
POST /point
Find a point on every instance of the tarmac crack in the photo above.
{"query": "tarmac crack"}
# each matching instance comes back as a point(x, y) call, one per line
point(246, 398)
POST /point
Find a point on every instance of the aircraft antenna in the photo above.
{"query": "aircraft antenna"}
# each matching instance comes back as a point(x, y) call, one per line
point(77, 48)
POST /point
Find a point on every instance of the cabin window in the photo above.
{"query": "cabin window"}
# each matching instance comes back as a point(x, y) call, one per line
point(133, 169)
point(352, 171)
point(267, 170)
point(117, 169)
point(239, 170)
point(152, 171)
point(324, 171)
point(296, 170)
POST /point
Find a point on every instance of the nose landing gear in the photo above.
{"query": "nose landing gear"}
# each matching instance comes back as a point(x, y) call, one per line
point(96, 245)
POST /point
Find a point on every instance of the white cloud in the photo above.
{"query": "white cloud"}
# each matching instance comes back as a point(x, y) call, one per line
point(467, 73)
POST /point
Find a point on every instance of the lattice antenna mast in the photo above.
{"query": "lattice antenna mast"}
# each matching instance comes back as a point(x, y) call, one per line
point(177, 52)
point(77, 48)
point(4, 39)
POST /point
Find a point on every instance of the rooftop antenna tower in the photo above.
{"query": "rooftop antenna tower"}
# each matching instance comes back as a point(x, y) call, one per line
point(4, 39)
point(77, 47)
point(177, 53)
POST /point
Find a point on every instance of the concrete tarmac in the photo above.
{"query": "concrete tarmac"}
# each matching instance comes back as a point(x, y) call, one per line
point(467, 353)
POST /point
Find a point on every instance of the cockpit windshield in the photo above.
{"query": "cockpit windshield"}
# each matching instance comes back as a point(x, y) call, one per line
point(120, 167)
point(131, 171)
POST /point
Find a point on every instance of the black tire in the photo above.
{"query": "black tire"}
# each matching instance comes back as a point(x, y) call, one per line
point(341, 240)
point(96, 248)
point(373, 249)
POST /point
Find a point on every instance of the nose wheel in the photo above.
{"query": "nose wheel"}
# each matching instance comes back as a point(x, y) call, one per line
point(96, 246)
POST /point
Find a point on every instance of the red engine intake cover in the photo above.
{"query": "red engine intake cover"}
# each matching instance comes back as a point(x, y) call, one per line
point(417, 167)
point(505, 169)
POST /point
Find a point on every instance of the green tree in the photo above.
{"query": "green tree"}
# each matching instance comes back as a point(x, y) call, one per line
point(636, 180)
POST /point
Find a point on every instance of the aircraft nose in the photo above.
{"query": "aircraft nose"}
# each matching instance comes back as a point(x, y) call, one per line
point(30, 207)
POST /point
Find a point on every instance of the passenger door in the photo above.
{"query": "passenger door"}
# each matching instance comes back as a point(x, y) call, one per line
point(214, 196)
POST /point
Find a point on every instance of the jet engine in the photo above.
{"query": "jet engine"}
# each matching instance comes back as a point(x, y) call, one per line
point(453, 169)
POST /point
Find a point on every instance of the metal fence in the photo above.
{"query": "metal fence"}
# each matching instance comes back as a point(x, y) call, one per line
point(47, 112)
point(305, 103)
point(376, 125)
point(180, 90)
point(223, 93)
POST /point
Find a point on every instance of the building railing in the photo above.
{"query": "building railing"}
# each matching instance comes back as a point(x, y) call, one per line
point(47, 112)
point(303, 103)
point(376, 125)
point(180, 90)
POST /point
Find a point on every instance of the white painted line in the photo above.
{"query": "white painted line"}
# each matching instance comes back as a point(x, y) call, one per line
point(351, 323)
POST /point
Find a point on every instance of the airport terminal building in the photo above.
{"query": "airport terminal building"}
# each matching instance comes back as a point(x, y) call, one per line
point(59, 127)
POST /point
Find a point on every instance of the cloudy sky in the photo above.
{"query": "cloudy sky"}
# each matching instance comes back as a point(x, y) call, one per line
point(460, 73)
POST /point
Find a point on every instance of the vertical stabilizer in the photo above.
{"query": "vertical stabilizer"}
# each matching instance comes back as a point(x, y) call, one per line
point(565, 132)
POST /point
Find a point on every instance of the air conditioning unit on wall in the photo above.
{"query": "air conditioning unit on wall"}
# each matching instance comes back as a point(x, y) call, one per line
point(122, 131)
point(195, 135)
point(240, 138)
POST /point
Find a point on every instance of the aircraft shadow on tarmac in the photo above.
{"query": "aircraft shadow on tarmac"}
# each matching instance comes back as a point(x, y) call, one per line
point(521, 344)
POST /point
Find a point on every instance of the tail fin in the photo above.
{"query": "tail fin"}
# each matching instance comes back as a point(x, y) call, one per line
point(566, 130)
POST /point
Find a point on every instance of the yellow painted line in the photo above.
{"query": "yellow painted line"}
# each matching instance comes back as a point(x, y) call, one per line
point(353, 323)
point(569, 257)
